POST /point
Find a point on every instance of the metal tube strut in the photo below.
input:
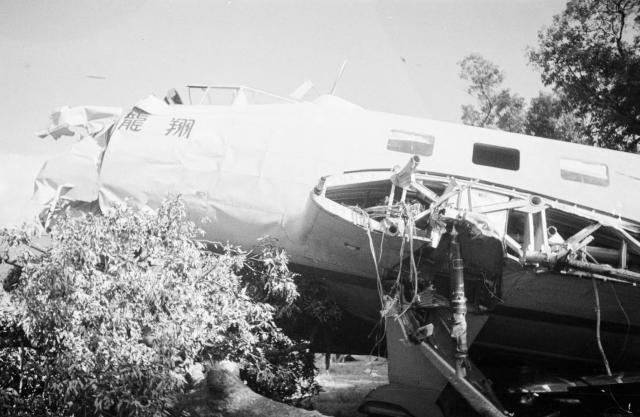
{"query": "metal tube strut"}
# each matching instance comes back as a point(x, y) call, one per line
point(459, 305)
point(477, 400)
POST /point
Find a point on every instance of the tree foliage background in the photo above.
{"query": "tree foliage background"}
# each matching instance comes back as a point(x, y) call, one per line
point(497, 107)
point(590, 57)
point(112, 317)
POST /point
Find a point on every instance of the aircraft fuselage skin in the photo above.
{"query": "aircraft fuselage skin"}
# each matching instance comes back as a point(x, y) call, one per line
point(248, 171)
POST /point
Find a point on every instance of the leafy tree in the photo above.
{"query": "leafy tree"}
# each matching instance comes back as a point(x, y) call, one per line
point(110, 319)
point(546, 117)
point(541, 119)
point(497, 107)
point(591, 56)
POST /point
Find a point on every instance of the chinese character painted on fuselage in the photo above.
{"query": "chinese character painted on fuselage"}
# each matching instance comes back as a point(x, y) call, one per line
point(180, 127)
point(133, 121)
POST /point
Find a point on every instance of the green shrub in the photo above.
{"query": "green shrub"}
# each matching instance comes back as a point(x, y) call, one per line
point(123, 304)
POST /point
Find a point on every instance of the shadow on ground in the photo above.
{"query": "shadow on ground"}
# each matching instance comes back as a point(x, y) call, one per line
point(346, 383)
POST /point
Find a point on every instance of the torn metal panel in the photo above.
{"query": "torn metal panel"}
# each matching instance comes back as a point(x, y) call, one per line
point(83, 120)
point(74, 176)
point(339, 238)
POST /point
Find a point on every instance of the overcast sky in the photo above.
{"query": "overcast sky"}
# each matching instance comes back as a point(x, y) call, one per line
point(402, 57)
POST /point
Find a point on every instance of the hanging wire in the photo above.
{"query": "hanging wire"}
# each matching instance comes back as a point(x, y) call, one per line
point(626, 317)
point(380, 251)
point(624, 312)
point(398, 278)
point(375, 263)
point(617, 404)
point(626, 336)
point(380, 331)
point(373, 254)
point(489, 290)
point(413, 269)
point(598, 338)
point(380, 325)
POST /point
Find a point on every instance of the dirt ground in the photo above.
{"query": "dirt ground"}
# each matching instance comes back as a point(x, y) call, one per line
point(346, 383)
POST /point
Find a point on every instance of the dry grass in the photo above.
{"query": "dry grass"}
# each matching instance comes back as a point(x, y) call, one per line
point(346, 384)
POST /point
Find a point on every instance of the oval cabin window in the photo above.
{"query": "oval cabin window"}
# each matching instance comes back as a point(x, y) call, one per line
point(496, 156)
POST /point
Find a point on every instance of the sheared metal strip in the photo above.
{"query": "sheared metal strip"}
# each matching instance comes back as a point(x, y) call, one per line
point(476, 399)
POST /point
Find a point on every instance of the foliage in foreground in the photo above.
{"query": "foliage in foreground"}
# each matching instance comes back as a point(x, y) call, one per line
point(110, 319)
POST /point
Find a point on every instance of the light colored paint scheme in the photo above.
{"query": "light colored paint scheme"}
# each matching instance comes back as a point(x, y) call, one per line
point(250, 169)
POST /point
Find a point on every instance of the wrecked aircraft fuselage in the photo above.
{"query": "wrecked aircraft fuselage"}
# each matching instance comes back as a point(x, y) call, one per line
point(488, 253)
